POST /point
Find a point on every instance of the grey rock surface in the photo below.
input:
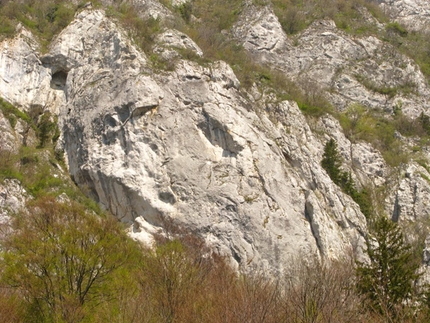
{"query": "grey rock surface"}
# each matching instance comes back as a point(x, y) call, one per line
point(349, 69)
point(12, 199)
point(415, 14)
point(185, 146)
point(189, 146)
point(24, 80)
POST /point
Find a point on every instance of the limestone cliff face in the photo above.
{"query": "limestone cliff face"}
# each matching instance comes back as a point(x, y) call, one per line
point(342, 65)
point(413, 13)
point(190, 146)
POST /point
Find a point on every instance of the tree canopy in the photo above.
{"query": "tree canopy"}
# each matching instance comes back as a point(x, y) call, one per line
point(62, 258)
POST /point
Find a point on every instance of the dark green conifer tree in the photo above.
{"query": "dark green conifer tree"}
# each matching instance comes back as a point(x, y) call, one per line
point(388, 279)
point(332, 161)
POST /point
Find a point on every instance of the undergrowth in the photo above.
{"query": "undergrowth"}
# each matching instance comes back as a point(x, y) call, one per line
point(44, 18)
point(39, 167)
point(384, 132)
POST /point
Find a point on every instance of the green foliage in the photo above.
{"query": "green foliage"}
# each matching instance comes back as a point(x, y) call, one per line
point(311, 110)
point(47, 129)
point(44, 18)
point(360, 123)
point(36, 168)
point(8, 166)
point(291, 18)
point(296, 15)
point(388, 280)
point(388, 91)
point(396, 28)
point(405, 88)
point(332, 163)
point(12, 114)
point(63, 258)
point(217, 14)
point(414, 44)
point(212, 18)
point(424, 122)
point(185, 10)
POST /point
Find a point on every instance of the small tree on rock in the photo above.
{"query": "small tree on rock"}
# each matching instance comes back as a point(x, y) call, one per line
point(332, 161)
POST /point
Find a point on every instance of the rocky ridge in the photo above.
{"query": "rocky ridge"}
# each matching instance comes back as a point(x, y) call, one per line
point(415, 14)
point(349, 69)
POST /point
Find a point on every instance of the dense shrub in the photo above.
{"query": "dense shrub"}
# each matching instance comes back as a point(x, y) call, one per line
point(44, 18)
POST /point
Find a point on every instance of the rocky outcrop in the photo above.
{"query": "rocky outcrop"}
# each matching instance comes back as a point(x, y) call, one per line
point(12, 199)
point(348, 69)
point(415, 14)
point(364, 162)
point(187, 146)
point(24, 80)
point(411, 194)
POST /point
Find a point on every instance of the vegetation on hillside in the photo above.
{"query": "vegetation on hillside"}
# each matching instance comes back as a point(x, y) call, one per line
point(332, 163)
point(44, 18)
point(360, 18)
point(62, 259)
point(296, 15)
point(63, 264)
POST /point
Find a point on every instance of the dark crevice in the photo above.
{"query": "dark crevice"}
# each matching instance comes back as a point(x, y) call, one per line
point(309, 211)
point(59, 80)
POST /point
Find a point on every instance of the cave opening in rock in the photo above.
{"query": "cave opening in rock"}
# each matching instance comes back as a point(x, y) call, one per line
point(58, 80)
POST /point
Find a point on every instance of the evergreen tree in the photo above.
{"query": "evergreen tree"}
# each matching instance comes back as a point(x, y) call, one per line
point(389, 278)
point(332, 161)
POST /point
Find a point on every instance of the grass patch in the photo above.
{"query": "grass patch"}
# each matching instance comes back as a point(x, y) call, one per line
point(405, 88)
point(375, 127)
point(296, 15)
point(13, 114)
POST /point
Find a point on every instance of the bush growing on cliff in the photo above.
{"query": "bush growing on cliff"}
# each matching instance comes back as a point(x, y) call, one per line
point(44, 18)
point(372, 126)
point(12, 114)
